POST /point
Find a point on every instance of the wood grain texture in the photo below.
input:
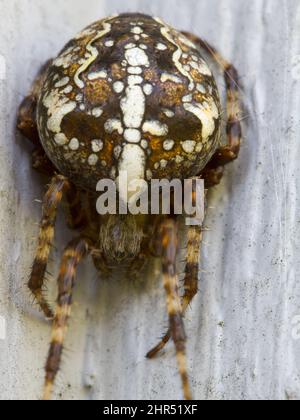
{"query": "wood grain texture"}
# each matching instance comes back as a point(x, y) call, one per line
point(243, 327)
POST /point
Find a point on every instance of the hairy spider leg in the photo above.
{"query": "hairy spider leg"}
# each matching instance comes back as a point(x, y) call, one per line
point(169, 235)
point(73, 255)
point(190, 279)
point(191, 275)
point(213, 173)
point(52, 199)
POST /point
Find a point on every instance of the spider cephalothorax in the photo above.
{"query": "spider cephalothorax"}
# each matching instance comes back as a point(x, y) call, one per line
point(128, 94)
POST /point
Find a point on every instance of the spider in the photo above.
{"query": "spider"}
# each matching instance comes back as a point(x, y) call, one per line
point(129, 93)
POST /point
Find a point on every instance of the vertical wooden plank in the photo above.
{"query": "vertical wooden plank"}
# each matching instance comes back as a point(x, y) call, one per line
point(243, 327)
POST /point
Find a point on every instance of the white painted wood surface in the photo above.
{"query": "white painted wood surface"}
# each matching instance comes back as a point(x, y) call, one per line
point(244, 326)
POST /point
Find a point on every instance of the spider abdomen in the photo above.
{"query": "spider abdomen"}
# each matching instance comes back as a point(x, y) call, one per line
point(131, 94)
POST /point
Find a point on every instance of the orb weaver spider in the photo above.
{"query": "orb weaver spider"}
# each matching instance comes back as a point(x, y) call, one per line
point(128, 93)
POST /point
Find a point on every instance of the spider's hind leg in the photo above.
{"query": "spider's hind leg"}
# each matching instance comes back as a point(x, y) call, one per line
point(169, 236)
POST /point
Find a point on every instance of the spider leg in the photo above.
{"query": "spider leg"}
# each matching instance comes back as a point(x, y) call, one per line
point(169, 253)
point(73, 254)
point(229, 152)
point(190, 280)
point(52, 199)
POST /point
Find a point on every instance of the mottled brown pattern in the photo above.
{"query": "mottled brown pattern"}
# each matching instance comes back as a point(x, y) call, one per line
point(97, 92)
point(170, 94)
point(100, 93)
point(117, 72)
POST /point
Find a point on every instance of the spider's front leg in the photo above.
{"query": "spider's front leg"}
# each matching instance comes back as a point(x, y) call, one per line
point(74, 253)
point(169, 238)
point(52, 199)
point(58, 187)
